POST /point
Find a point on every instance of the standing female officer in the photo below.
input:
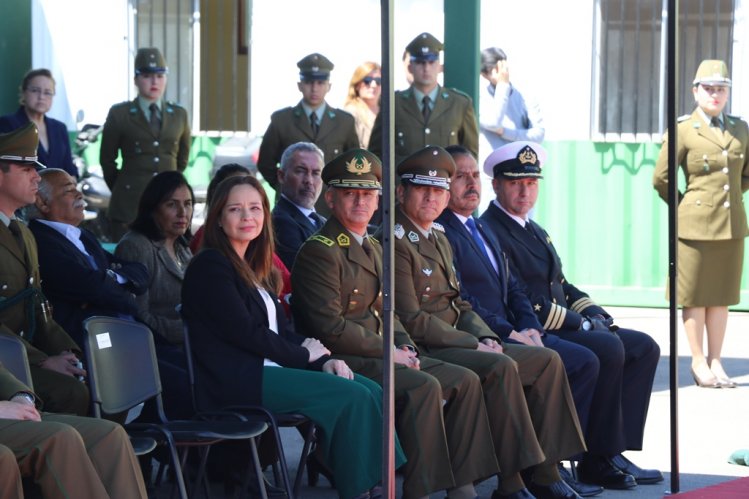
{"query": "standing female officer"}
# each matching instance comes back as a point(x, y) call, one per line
point(713, 152)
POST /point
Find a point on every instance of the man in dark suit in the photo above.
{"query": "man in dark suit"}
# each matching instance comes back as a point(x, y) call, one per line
point(337, 281)
point(311, 120)
point(66, 456)
point(152, 134)
point(78, 277)
point(294, 216)
point(24, 312)
point(628, 358)
point(427, 113)
point(528, 400)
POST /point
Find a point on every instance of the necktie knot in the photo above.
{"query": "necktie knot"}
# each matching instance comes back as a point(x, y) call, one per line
point(426, 109)
point(476, 234)
point(316, 219)
point(715, 122)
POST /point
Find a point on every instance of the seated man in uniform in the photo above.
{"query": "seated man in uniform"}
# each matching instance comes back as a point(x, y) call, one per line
point(66, 456)
point(24, 311)
point(627, 358)
point(528, 400)
point(294, 216)
point(337, 282)
point(79, 278)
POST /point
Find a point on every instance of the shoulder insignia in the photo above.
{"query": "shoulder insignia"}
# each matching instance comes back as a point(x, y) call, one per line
point(322, 239)
point(684, 117)
point(169, 109)
point(537, 307)
point(460, 92)
point(427, 272)
point(438, 226)
point(445, 95)
point(343, 240)
point(413, 237)
point(406, 94)
point(399, 231)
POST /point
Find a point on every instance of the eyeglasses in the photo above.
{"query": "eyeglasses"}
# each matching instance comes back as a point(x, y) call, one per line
point(39, 91)
point(367, 80)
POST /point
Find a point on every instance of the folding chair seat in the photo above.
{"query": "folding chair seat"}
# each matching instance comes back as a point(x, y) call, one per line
point(123, 372)
point(275, 421)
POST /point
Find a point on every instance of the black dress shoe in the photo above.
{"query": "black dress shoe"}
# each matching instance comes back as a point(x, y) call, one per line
point(601, 471)
point(557, 490)
point(520, 494)
point(582, 489)
point(643, 477)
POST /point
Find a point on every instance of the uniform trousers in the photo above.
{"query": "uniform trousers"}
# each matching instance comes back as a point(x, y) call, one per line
point(628, 360)
point(348, 415)
point(530, 407)
point(446, 446)
point(61, 393)
point(10, 481)
point(69, 456)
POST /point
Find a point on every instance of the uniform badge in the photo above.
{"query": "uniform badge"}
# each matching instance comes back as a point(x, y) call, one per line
point(413, 237)
point(537, 307)
point(432, 173)
point(322, 239)
point(427, 272)
point(359, 164)
point(399, 231)
point(438, 226)
point(331, 114)
point(343, 240)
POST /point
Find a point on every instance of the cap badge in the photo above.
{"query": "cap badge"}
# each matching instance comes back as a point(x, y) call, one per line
point(315, 69)
point(343, 240)
point(432, 173)
point(425, 50)
point(527, 156)
point(359, 165)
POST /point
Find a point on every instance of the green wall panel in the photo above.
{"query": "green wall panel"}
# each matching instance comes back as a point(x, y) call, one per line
point(15, 50)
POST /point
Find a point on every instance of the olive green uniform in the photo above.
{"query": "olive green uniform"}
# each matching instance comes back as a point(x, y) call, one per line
point(42, 336)
point(144, 153)
point(338, 299)
point(528, 399)
point(452, 121)
point(67, 456)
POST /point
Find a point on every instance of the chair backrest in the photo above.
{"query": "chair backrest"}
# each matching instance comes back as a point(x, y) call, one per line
point(14, 358)
point(122, 366)
point(189, 360)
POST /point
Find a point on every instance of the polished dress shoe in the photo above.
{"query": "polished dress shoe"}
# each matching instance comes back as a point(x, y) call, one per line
point(582, 489)
point(710, 382)
point(643, 477)
point(520, 494)
point(557, 490)
point(601, 471)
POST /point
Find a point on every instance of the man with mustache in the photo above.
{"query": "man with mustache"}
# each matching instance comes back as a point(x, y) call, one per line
point(79, 278)
point(294, 216)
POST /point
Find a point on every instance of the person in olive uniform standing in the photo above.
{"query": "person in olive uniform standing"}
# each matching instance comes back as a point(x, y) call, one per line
point(713, 153)
point(151, 133)
point(427, 113)
point(528, 400)
point(311, 120)
point(24, 312)
point(337, 282)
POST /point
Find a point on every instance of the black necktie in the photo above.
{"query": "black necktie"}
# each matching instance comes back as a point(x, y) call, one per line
point(313, 123)
point(154, 120)
point(471, 224)
point(426, 110)
point(16, 231)
point(316, 220)
point(529, 228)
point(367, 247)
point(715, 122)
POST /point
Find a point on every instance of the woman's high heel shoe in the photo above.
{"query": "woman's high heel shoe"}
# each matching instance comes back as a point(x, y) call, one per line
point(726, 382)
point(711, 382)
point(315, 468)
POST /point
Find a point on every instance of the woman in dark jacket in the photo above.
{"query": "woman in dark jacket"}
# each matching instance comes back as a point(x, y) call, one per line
point(245, 355)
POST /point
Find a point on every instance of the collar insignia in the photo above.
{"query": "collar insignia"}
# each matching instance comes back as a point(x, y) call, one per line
point(413, 237)
point(343, 240)
point(427, 272)
point(399, 231)
point(358, 165)
point(438, 226)
point(537, 307)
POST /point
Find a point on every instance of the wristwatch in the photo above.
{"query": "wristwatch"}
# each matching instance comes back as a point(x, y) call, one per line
point(25, 395)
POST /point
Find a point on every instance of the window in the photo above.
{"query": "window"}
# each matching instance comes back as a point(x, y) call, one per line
point(628, 95)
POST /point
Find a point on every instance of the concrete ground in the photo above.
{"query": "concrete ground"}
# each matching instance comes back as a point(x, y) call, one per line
point(712, 423)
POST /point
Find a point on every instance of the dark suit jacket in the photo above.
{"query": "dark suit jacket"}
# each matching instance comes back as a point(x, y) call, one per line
point(336, 134)
point(498, 298)
point(58, 155)
point(292, 228)
point(18, 272)
point(533, 259)
point(75, 288)
point(229, 334)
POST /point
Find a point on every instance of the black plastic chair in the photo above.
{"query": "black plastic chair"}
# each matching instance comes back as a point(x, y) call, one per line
point(123, 372)
point(275, 421)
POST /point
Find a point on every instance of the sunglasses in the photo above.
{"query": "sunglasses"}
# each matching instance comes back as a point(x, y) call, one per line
point(367, 80)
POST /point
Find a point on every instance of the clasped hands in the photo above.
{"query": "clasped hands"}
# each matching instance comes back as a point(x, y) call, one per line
point(64, 363)
point(332, 366)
